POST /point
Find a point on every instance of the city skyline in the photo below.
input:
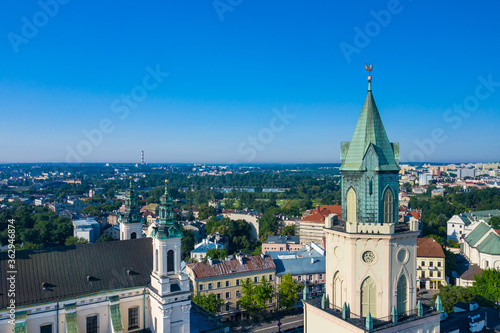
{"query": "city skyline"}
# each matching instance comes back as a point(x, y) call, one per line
point(245, 82)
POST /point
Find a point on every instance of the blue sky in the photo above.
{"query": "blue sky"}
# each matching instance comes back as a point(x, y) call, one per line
point(248, 81)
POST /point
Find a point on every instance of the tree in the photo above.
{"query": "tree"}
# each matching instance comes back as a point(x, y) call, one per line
point(288, 230)
point(488, 285)
point(105, 238)
point(450, 295)
point(208, 302)
point(255, 297)
point(495, 222)
point(205, 211)
point(217, 254)
point(187, 243)
point(72, 240)
point(288, 292)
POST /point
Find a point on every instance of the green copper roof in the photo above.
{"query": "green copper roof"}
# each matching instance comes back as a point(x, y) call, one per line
point(71, 322)
point(369, 130)
point(475, 235)
point(167, 226)
point(20, 327)
point(490, 245)
point(116, 318)
point(132, 209)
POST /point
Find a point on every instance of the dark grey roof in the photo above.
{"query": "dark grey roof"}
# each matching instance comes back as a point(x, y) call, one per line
point(72, 271)
point(283, 239)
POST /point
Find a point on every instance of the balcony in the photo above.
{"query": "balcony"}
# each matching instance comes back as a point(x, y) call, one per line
point(378, 323)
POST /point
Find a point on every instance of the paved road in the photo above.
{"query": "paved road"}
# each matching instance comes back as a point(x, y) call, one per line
point(271, 327)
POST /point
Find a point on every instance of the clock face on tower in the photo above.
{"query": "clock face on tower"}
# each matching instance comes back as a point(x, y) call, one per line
point(368, 257)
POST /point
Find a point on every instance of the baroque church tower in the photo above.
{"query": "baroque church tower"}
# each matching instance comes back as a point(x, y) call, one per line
point(371, 261)
point(170, 303)
point(131, 221)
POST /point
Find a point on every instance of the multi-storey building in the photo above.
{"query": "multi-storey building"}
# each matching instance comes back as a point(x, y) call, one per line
point(310, 227)
point(224, 278)
point(430, 264)
point(281, 243)
point(459, 226)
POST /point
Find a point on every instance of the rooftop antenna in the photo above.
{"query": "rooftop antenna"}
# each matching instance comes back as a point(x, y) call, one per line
point(369, 69)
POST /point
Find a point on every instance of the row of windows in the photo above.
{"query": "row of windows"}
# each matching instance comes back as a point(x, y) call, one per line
point(299, 278)
point(92, 323)
point(388, 205)
point(228, 283)
point(431, 274)
point(431, 264)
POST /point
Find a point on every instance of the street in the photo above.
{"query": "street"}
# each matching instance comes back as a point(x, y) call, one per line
point(287, 322)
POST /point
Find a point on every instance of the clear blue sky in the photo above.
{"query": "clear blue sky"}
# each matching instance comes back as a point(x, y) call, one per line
point(226, 76)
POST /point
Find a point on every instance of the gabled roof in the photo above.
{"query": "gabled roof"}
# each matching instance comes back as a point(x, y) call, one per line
point(475, 235)
point(318, 215)
point(369, 131)
point(73, 271)
point(227, 267)
point(429, 248)
point(490, 245)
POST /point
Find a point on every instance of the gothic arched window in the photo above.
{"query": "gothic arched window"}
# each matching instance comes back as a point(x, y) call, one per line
point(351, 205)
point(337, 290)
point(402, 295)
point(388, 206)
point(170, 261)
point(133, 235)
point(369, 297)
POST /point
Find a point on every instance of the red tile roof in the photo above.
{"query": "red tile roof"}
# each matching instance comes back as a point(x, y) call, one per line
point(222, 268)
point(497, 231)
point(318, 215)
point(428, 247)
point(416, 215)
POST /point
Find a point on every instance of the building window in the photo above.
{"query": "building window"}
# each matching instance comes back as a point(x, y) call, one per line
point(46, 328)
point(431, 264)
point(209, 286)
point(156, 260)
point(218, 284)
point(402, 295)
point(218, 296)
point(439, 263)
point(431, 273)
point(255, 279)
point(92, 324)
point(299, 278)
point(423, 274)
point(238, 293)
point(310, 277)
point(263, 277)
point(170, 261)
point(201, 287)
point(337, 290)
point(133, 317)
point(227, 307)
point(227, 283)
point(486, 263)
point(389, 206)
point(423, 263)
point(228, 295)
point(439, 274)
point(351, 205)
point(321, 276)
point(270, 277)
point(133, 235)
point(369, 297)
point(238, 282)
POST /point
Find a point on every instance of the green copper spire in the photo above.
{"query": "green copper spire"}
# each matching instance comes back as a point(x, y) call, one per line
point(131, 214)
point(167, 227)
point(369, 131)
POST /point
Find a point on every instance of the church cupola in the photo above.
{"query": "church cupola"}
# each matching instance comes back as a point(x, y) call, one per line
point(369, 172)
point(131, 220)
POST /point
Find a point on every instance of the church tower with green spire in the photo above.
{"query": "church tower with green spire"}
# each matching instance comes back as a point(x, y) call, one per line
point(370, 183)
point(131, 221)
point(170, 287)
point(370, 257)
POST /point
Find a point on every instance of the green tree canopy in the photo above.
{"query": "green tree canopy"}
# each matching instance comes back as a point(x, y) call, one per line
point(255, 297)
point(288, 292)
point(208, 302)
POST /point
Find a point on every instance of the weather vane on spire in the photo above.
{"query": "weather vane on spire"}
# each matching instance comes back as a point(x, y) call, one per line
point(369, 69)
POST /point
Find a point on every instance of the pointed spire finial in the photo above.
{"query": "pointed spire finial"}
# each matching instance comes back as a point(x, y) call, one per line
point(369, 69)
point(130, 178)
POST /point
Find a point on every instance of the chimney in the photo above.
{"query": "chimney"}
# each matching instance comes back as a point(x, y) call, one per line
point(317, 208)
point(239, 256)
point(210, 262)
point(312, 260)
